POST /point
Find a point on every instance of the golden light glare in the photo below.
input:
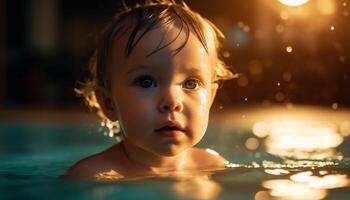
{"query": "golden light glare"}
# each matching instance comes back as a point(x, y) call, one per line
point(303, 185)
point(108, 175)
point(289, 49)
point(197, 188)
point(262, 195)
point(293, 3)
point(276, 171)
point(330, 181)
point(345, 128)
point(286, 189)
point(312, 15)
point(212, 152)
point(303, 139)
point(326, 7)
point(261, 129)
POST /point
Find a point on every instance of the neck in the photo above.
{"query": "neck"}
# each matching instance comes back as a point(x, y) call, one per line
point(152, 162)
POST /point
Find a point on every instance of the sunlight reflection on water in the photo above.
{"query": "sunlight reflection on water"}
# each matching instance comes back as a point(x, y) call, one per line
point(302, 138)
point(310, 143)
point(293, 2)
point(303, 185)
point(313, 141)
point(200, 187)
point(290, 190)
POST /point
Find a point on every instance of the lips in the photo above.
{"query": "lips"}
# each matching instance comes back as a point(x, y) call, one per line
point(171, 130)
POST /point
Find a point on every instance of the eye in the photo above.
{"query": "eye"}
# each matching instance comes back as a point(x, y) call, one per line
point(191, 84)
point(145, 82)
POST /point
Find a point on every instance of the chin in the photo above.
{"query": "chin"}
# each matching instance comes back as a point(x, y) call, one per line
point(169, 151)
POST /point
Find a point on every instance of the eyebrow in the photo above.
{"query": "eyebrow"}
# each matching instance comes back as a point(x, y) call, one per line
point(141, 67)
point(136, 68)
point(195, 71)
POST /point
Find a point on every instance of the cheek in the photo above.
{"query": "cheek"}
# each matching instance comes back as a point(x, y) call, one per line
point(133, 111)
point(204, 105)
point(132, 103)
point(200, 107)
point(200, 104)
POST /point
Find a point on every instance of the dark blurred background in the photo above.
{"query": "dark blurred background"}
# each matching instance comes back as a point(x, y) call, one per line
point(285, 55)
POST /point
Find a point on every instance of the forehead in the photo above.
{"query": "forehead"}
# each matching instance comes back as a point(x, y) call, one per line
point(170, 43)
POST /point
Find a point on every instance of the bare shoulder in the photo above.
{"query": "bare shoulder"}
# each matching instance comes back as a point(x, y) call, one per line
point(83, 169)
point(208, 158)
point(90, 167)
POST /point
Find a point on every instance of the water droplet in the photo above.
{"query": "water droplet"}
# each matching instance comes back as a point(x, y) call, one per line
point(118, 139)
point(111, 134)
point(255, 165)
point(344, 4)
point(332, 28)
point(334, 106)
point(278, 84)
point(246, 99)
point(221, 107)
point(289, 49)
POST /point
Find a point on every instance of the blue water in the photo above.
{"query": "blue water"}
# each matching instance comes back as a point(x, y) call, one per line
point(33, 155)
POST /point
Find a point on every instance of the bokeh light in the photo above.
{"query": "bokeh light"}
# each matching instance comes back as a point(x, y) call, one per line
point(293, 2)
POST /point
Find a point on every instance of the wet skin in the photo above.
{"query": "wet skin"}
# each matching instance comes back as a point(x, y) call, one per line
point(162, 102)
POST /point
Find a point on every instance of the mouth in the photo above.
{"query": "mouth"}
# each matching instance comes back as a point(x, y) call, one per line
point(170, 131)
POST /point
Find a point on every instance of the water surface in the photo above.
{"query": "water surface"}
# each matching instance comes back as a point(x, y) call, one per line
point(276, 153)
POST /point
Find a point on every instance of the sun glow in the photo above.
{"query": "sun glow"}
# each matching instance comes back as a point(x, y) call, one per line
point(293, 2)
point(303, 139)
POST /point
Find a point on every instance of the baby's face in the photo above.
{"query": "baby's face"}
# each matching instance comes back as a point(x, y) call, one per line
point(162, 101)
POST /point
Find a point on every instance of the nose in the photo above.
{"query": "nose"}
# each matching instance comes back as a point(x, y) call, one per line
point(170, 101)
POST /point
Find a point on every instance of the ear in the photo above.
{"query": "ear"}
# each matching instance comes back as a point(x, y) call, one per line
point(104, 99)
point(214, 89)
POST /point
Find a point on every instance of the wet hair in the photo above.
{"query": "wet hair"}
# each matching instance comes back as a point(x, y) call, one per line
point(137, 21)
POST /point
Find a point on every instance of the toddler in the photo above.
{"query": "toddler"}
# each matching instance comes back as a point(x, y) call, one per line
point(154, 77)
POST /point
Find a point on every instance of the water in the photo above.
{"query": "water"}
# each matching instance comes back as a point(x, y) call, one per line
point(314, 163)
